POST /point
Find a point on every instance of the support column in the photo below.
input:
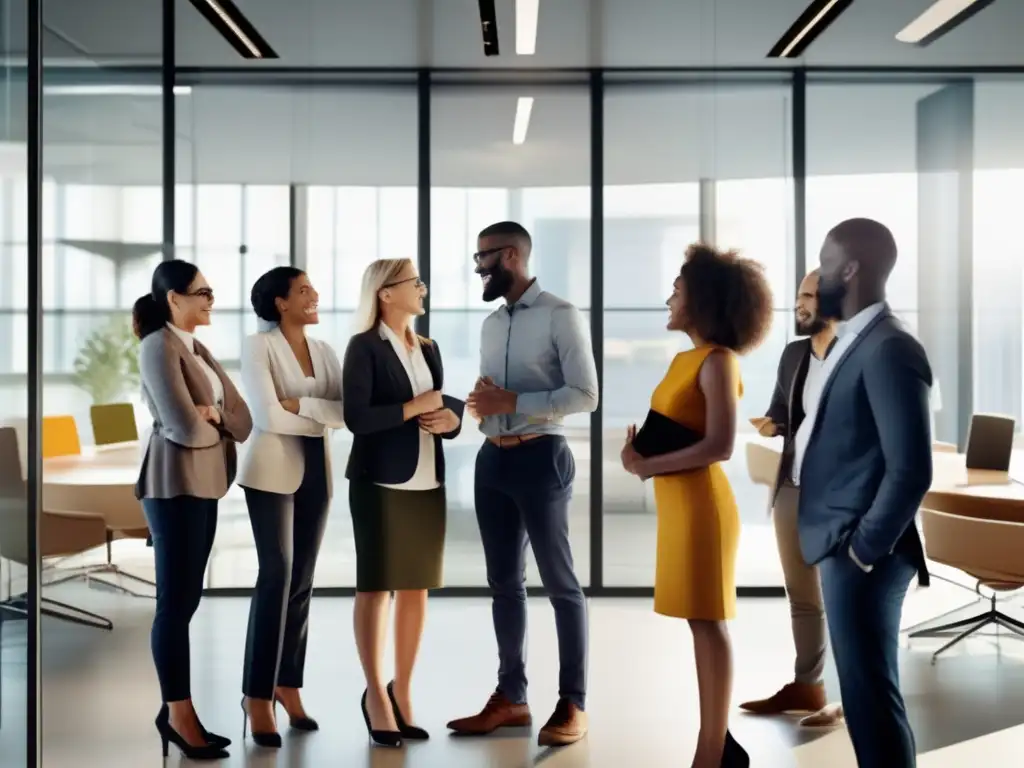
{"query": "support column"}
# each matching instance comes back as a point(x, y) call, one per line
point(945, 173)
point(708, 212)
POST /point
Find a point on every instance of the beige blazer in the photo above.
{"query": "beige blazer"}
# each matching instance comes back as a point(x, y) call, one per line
point(274, 460)
point(187, 455)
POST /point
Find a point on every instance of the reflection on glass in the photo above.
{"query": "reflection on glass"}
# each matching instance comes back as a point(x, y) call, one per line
point(505, 181)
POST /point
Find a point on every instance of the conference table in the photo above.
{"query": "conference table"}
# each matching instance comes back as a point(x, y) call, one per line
point(955, 489)
point(100, 481)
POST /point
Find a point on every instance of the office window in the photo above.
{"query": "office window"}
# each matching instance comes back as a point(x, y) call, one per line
point(681, 165)
point(480, 176)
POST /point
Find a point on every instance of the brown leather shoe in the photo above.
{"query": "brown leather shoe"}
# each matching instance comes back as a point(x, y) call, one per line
point(499, 712)
point(792, 697)
point(567, 725)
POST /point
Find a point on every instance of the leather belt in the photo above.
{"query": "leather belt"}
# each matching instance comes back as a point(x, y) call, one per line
point(511, 441)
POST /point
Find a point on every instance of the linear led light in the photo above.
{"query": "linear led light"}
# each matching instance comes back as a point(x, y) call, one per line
point(940, 18)
point(523, 109)
point(112, 90)
point(234, 27)
point(812, 22)
point(527, 12)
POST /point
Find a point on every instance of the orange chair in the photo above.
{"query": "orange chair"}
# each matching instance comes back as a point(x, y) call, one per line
point(60, 437)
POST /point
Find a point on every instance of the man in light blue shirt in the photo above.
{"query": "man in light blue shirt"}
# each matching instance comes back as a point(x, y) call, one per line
point(536, 368)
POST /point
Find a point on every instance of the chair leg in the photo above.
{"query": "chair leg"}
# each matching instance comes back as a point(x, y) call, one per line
point(963, 636)
point(85, 618)
point(970, 621)
point(922, 625)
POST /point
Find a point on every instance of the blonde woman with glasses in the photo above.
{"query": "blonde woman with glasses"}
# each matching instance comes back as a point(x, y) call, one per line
point(391, 382)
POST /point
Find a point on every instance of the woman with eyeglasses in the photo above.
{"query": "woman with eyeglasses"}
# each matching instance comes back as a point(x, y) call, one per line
point(392, 382)
point(189, 464)
point(294, 385)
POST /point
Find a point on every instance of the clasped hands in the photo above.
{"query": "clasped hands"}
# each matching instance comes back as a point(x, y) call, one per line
point(488, 399)
point(432, 416)
point(632, 461)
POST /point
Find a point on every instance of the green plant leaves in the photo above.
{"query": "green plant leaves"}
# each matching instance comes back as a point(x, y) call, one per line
point(107, 364)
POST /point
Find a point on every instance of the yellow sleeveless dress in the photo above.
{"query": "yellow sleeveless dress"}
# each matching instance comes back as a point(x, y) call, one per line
point(698, 522)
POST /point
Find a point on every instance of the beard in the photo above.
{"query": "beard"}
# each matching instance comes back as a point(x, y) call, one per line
point(499, 282)
point(831, 293)
point(811, 327)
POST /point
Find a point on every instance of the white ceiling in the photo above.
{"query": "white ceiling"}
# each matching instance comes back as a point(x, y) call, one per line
point(572, 33)
point(326, 134)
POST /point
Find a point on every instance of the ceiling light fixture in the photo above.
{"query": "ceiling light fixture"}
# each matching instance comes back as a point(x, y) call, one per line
point(234, 27)
point(524, 107)
point(527, 13)
point(805, 30)
point(940, 18)
point(112, 90)
point(489, 27)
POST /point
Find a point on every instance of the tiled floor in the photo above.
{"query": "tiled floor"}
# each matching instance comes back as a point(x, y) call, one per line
point(100, 692)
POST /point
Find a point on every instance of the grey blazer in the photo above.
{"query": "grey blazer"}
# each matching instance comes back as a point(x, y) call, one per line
point(187, 455)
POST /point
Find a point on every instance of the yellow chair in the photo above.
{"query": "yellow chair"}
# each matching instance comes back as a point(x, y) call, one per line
point(60, 437)
point(113, 423)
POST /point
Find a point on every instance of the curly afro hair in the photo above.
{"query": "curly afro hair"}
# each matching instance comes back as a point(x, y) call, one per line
point(727, 299)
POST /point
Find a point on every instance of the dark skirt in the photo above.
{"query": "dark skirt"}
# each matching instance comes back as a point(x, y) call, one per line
point(399, 537)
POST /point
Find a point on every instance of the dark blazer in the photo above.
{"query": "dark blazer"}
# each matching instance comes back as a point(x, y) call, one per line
point(786, 409)
point(869, 458)
point(375, 386)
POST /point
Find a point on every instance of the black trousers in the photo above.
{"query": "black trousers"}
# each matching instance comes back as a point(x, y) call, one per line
point(288, 530)
point(182, 529)
point(522, 495)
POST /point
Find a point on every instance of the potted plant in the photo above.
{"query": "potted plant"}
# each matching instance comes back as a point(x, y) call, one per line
point(107, 365)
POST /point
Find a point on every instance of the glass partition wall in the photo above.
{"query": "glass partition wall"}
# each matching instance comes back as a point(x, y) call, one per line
point(614, 174)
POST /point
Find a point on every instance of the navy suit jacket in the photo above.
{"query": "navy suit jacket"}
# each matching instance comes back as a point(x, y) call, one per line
point(868, 464)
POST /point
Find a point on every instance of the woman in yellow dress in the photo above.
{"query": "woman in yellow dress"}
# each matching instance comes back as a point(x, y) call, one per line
point(724, 304)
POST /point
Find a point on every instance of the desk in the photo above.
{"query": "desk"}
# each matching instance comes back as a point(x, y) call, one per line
point(956, 489)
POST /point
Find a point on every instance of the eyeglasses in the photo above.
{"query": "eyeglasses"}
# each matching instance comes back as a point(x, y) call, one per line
point(415, 280)
point(486, 254)
point(202, 293)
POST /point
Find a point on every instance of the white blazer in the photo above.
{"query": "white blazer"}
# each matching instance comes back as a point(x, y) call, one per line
point(274, 461)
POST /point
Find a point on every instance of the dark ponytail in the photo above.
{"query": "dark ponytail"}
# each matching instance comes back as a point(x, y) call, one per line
point(152, 311)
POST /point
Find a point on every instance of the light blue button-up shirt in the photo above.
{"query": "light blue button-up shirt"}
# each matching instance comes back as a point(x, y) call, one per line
point(540, 349)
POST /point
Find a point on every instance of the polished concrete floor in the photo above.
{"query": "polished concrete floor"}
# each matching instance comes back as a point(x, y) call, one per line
point(100, 693)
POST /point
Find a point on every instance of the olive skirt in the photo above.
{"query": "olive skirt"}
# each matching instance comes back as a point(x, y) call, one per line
point(399, 537)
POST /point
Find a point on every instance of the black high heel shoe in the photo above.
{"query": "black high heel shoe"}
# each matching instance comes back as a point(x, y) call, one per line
point(271, 740)
point(211, 738)
point(411, 732)
point(734, 756)
point(392, 739)
point(307, 724)
point(170, 736)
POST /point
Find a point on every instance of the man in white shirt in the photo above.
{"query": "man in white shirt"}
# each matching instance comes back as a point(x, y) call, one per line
point(798, 388)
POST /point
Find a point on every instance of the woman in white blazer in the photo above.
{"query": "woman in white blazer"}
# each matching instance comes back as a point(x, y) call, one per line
point(293, 384)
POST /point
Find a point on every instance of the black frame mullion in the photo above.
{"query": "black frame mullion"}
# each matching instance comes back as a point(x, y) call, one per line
point(169, 119)
point(34, 129)
point(597, 327)
point(423, 194)
point(799, 139)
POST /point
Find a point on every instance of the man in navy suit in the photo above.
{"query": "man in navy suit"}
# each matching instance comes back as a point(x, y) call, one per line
point(865, 463)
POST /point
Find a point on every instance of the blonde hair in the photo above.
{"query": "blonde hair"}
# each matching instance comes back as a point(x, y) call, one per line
point(377, 274)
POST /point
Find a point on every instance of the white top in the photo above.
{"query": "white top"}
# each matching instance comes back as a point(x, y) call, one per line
point(813, 385)
point(215, 382)
point(274, 460)
point(422, 380)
